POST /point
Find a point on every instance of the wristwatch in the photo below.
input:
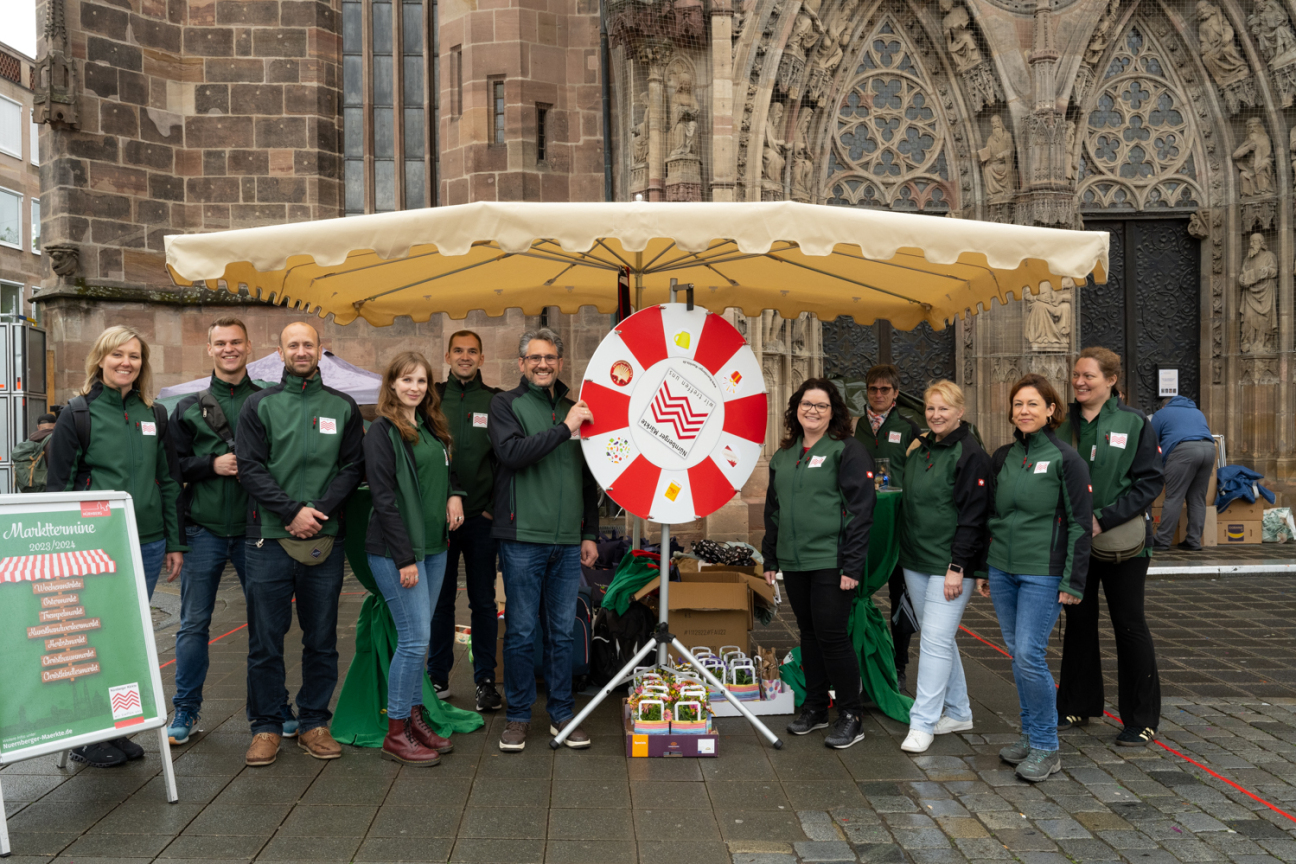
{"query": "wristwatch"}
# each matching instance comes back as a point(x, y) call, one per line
point(956, 568)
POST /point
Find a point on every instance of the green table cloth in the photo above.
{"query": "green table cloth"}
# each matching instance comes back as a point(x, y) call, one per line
point(868, 630)
point(361, 715)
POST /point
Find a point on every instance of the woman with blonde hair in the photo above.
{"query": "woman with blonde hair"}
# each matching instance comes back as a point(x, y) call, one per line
point(942, 545)
point(416, 503)
point(112, 436)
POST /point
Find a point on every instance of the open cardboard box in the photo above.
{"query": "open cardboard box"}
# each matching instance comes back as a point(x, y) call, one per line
point(713, 607)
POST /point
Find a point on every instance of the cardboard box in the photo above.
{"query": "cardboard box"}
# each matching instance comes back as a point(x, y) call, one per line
point(713, 607)
point(1234, 533)
point(656, 746)
point(1241, 511)
point(1210, 532)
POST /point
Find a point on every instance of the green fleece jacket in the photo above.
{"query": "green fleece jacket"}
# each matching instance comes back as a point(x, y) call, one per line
point(298, 444)
point(212, 501)
point(819, 507)
point(1041, 518)
point(891, 441)
point(467, 410)
point(402, 508)
point(1119, 446)
point(946, 504)
point(127, 453)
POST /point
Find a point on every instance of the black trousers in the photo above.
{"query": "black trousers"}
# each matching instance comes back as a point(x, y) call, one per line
point(822, 609)
point(1080, 692)
point(899, 637)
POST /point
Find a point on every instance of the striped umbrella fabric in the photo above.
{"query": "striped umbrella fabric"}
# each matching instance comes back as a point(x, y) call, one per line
point(29, 568)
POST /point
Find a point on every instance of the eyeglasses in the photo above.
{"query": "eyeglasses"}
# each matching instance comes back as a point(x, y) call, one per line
point(541, 358)
point(819, 407)
point(886, 389)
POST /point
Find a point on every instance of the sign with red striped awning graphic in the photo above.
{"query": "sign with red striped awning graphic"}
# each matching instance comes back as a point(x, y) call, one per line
point(56, 565)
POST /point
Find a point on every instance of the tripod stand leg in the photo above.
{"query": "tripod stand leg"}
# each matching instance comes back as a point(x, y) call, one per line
point(733, 700)
point(626, 671)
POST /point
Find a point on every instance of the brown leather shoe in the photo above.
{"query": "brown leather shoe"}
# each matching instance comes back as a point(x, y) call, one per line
point(402, 745)
point(319, 743)
point(578, 739)
point(264, 749)
point(514, 738)
point(426, 734)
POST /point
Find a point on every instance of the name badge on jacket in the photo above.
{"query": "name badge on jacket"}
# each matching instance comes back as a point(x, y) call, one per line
point(816, 461)
point(1119, 439)
point(893, 437)
point(148, 428)
point(479, 421)
point(328, 426)
point(1041, 467)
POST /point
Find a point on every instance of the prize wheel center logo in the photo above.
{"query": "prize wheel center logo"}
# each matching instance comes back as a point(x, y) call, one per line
point(680, 410)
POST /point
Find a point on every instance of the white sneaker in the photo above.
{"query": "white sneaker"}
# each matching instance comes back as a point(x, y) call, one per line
point(917, 742)
point(946, 725)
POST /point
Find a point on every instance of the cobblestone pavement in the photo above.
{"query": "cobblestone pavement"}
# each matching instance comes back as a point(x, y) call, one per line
point(1225, 648)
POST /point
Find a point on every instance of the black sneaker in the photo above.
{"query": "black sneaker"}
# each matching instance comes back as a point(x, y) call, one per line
point(441, 689)
point(1135, 737)
point(1188, 548)
point(1071, 722)
point(809, 721)
point(848, 730)
point(129, 748)
point(902, 681)
point(101, 755)
point(488, 698)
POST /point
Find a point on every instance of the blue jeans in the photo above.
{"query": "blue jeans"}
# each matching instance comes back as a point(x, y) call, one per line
point(474, 542)
point(941, 685)
point(411, 609)
point(152, 557)
point(539, 579)
point(203, 565)
point(1028, 608)
point(273, 578)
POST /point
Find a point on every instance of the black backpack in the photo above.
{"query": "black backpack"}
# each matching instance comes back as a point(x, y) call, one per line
point(617, 638)
point(215, 417)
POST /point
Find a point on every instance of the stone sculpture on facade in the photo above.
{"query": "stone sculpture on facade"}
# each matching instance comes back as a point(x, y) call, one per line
point(802, 162)
point(772, 157)
point(1272, 31)
point(997, 162)
point(959, 40)
point(827, 57)
point(807, 30)
point(639, 133)
point(1259, 283)
point(684, 117)
point(683, 164)
point(1048, 318)
point(1223, 59)
point(1257, 173)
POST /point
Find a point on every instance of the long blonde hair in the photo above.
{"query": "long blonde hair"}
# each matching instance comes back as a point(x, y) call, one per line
point(389, 405)
point(110, 340)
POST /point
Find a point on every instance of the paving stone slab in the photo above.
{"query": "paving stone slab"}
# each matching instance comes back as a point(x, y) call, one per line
point(834, 850)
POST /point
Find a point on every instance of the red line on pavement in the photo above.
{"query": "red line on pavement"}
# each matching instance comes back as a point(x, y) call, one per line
point(1160, 744)
point(209, 642)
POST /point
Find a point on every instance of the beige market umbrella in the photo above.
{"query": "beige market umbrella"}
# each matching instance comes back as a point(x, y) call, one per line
point(789, 257)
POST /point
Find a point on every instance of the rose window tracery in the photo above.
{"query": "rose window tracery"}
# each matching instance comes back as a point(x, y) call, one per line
point(1137, 136)
point(888, 143)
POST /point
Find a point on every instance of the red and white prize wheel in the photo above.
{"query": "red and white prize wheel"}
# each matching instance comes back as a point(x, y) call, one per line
point(679, 413)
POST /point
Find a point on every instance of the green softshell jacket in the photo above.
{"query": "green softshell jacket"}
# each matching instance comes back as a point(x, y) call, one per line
point(126, 454)
point(211, 501)
point(1124, 464)
point(1041, 517)
point(892, 440)
point(467, 410)
point(298, 444)
point(397, 523)
point(819, 507)
point(946, 504)
point(544, 492)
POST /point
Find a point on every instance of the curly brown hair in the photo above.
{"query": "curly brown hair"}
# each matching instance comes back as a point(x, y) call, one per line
point(839, 425)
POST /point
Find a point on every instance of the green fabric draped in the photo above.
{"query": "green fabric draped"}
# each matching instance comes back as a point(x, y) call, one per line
point(634, 572)
point(361, 715)
point(868, 630)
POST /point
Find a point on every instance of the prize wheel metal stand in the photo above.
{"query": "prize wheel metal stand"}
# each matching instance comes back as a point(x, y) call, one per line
point(662, 638)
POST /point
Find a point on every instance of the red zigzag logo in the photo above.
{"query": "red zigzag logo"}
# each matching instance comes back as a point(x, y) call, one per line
point(122, 701)
point(675, 411)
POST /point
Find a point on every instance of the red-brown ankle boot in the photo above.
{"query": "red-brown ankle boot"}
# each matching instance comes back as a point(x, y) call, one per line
point(401, 745)
point(424, 733)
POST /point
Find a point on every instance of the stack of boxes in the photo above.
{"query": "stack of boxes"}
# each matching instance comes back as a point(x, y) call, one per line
point(1238, 524)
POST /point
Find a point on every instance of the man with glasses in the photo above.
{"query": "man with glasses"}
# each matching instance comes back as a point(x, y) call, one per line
point(546, 519)
point(887, 434)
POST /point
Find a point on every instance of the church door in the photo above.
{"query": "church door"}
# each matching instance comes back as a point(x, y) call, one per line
point(1149, 311)
point(922, 355)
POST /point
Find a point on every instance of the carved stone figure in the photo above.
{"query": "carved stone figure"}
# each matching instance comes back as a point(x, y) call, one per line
point(1218, 51)
point(772, 161)
point(959, 40)
point(684, 117)
point(1273, 32)
point(827, 57)
point(65, 259)
point(1257, 174)
point(997, 161)
point(1291, 147)
point(802, 164)
point(1072, 151)
point(805, 33)
point(1048, 318)
point(1101, 37)
point(639, 133)
point(1259, 282)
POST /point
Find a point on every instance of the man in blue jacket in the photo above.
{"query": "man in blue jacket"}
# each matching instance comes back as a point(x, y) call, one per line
point(1188, 451)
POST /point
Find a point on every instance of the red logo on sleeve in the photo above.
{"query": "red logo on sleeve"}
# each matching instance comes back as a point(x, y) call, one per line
point(980, 482)
point(1091, 489)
